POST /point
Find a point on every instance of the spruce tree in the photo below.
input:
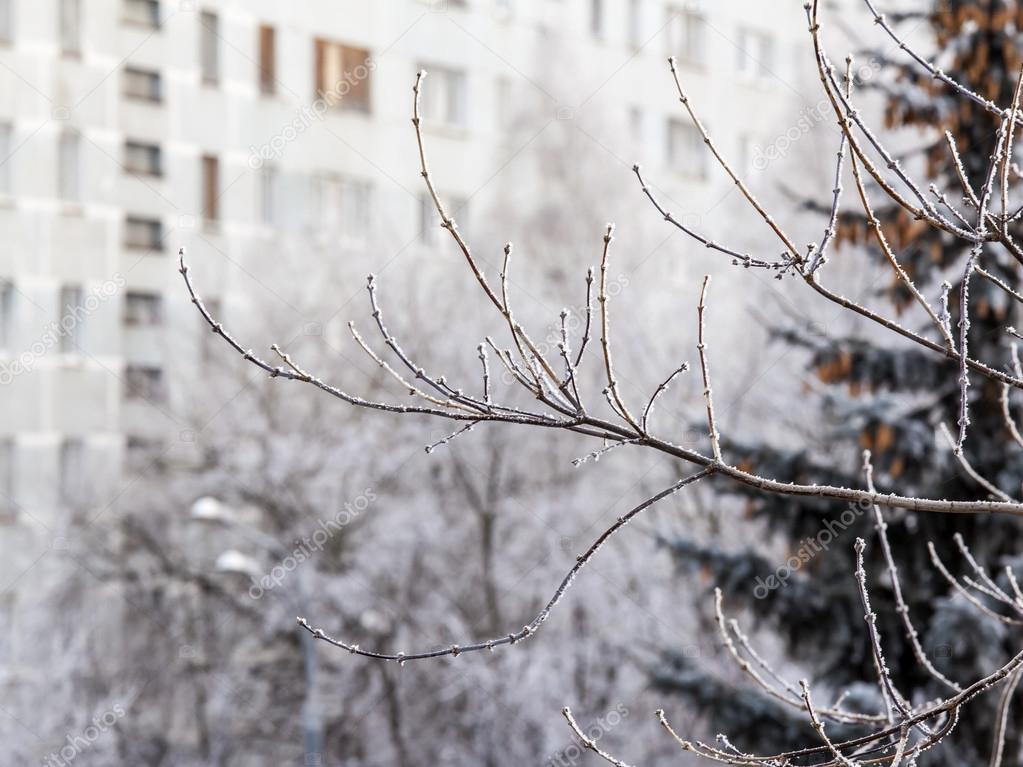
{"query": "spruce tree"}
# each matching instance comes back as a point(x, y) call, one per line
point(890, 399)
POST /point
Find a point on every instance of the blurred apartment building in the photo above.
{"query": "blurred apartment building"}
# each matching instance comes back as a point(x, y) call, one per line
point(129, 128)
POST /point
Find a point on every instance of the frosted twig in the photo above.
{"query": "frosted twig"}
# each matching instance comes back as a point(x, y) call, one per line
point(447, 222)
point(954, 582)
point(945, 316)
point(589, 317)
point(893, 574)
point(818, 725)
point(793, 251)
point(986, 104)
point(1011, 576)
point(1002, 720)
point(663, 387)
point(964, 335)
point(1010, 422)
point(747, 646)
point(889, 324)
point(412, 388)
point(565, 349)
point(738, 257)
point(708, 395)
point(820, 256)
point(957, 163)
point(989, 587)
point(846, 112)
point(784, 692)
point(968, 467)
point(596, 455)
point(534, 625)
point(1015, 294)
point(588, 742)
point(964, 290)
point(506, 310)
point(1007, 153)
point(605, 333)
point(437, 384)
point(441, 442)
point(892, 697)
point(505, 357)
point(604, 430)
point(485, 362)
point(874, 224)
point(943, 199)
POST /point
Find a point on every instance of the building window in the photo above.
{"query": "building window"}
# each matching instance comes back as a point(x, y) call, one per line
point(72, 316)
point(70, 27)
point(355, 207)
point(69, 169)
point(755, 51)
point(142, 158)
point(144, 382)
point(267, 60)
point(686, 151)
point(635, 23)
point(503, 110)
point(142, 84)
point(8, 507)
point(6, 157)
point(145, 13)
point(143, 309)
point(312, 217)
point(6, 21)
point(343, 75)
point(429, 218)
point(145, 233)
point(597, 18)
point(6, 314)
point(72, 471)
point(636, 125)
point(751, 159)
point(268, 193)
point(141, 455)
point(210, 187)
point(345, 207)
point(8, 626)
point(444, 97)
point(686, 32)
point(209, 36)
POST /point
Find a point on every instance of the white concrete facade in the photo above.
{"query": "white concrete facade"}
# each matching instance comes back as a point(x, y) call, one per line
point(93, 167)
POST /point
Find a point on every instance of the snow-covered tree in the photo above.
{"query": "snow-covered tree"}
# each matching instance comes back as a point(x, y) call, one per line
point(522, 385)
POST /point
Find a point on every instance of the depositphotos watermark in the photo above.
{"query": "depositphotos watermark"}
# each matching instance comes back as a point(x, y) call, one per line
point(575, 325)
point(809, 548)
point(312, 544)
point(308, 115)
point(572, 754)
point(809, 118)
point(76, 744)
point(71, 317)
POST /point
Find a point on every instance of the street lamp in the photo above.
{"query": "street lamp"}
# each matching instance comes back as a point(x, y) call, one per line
point(208, 509)
point(233, 561)
point(211, 510)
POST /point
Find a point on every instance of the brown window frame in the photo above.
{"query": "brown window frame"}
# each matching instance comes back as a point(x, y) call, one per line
point(349, 92)
point(267, 60)
point(211, 187)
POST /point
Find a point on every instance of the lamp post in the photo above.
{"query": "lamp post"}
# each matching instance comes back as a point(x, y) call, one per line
point(213, 511)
